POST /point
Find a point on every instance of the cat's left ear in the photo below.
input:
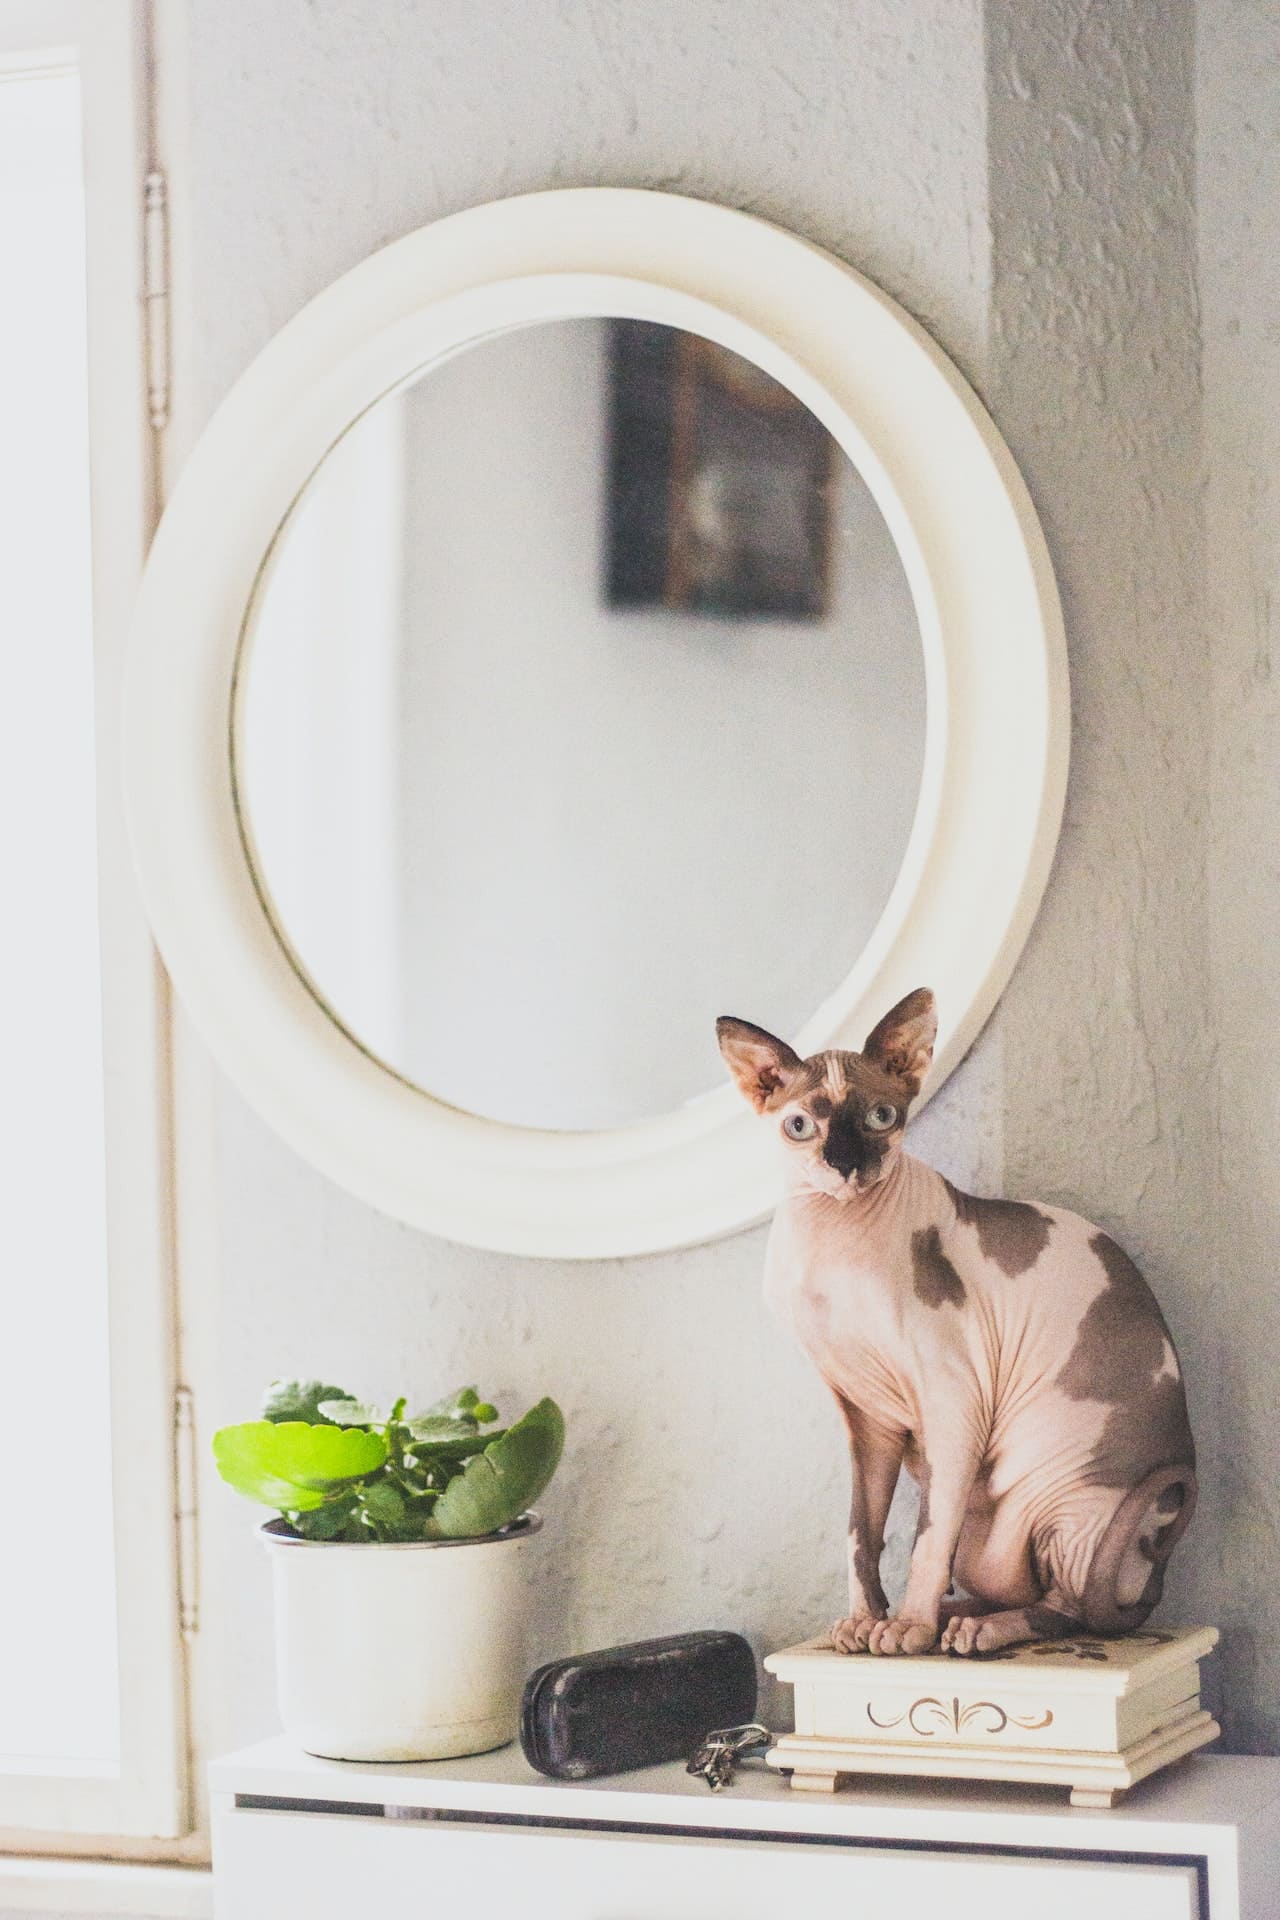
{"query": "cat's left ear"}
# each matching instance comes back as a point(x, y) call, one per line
point(902, 1043)
point(760, 1063)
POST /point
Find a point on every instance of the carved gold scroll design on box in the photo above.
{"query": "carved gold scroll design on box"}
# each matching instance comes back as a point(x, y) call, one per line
point(929, 1716)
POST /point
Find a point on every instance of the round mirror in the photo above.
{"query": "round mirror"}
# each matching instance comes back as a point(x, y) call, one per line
point(582, 701)
point(594, 613)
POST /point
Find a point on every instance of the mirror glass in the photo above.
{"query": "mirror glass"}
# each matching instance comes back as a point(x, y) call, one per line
point(582, 700)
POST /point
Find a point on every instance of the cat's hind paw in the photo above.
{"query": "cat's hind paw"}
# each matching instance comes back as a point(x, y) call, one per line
point(960, 1635)
point(854, 1634)
point(1013, 1627)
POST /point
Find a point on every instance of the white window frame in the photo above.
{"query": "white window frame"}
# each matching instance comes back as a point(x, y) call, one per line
point(149, 1799)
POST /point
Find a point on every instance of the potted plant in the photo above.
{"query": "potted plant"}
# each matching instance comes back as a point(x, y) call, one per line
point(396, 1555)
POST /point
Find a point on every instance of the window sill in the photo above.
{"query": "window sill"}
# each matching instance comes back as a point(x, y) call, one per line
point(126, 1892)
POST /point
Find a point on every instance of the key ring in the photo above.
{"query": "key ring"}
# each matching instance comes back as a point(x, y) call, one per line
point(719, 1754)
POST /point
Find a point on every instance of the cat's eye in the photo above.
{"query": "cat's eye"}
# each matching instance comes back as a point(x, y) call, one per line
point(881, 1117)
point(799, 1126)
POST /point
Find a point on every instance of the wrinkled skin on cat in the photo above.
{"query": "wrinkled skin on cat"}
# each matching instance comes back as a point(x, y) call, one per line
point(1011, 1357)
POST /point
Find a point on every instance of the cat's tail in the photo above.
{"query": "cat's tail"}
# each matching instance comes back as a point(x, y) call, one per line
point(1127, 1576)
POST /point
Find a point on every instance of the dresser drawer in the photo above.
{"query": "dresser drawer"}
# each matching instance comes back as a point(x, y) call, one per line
point(338, 1866)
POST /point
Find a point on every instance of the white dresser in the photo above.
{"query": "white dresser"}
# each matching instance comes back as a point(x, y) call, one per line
point(488, 1837)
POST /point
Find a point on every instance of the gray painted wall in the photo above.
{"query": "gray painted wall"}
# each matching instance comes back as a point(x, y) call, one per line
point(1022, 179)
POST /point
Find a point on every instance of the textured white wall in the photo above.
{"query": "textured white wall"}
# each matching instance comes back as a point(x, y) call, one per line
point(1022, 178)
point(1094, 378)
point(1238, 106)
point(705, 1475)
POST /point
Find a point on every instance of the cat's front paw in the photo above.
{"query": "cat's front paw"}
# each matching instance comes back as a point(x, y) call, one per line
point(903, 1635)
point(854, 1634)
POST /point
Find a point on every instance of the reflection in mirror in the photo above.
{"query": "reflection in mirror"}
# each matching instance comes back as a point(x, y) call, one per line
point(583, 701)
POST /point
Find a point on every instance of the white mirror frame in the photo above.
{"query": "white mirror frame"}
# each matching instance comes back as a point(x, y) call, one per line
point(996, 746)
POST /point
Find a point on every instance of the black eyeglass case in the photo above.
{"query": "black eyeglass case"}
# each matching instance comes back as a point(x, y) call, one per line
point(635, 1706)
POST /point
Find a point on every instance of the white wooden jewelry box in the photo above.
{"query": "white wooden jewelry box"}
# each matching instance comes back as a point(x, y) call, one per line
point(1094, 1715)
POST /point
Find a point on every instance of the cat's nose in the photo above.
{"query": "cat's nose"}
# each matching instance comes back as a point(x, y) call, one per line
point(846, 1157)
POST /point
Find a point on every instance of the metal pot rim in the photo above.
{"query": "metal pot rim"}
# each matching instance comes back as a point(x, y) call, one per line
point(277, 1533)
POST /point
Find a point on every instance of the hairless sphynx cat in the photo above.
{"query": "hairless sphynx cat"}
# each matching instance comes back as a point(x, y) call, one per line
point(1011, 1356)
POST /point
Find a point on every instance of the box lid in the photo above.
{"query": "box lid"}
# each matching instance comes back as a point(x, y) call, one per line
point(1084, 1663)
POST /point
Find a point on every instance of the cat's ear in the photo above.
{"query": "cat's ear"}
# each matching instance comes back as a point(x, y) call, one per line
point(759, 1063)
point(902, 1043)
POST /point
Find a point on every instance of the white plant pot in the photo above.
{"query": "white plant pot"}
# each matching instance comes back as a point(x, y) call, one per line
point(400, 1652)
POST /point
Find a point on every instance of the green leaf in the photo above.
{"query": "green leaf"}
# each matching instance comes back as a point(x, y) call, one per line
point(498, 1484)
point(293, 1466)
point(343, 1411)
point(461, 1412)
point(461, 1446)
point(465, 1400)
point(418, 1496)
point(328, 1521)
point(383, 1503)
point(298, 1400)
point(388, 1516)
point(439, 1426)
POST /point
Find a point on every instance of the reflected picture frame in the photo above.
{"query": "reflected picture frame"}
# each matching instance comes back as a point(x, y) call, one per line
point(719, 483)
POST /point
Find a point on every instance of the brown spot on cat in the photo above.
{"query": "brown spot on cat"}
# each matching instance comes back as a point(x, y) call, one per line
point(1010, 1232)
point(922, 1473)
point(867, 1573)
point(805, 1083)
point(936, 1281)
point(1123, 1356)
point(1122, 1334)
point(866, 1565)
point(850, 1146)
point(1046, 1623)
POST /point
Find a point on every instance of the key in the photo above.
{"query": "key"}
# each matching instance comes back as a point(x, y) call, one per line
point(719, 1754)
